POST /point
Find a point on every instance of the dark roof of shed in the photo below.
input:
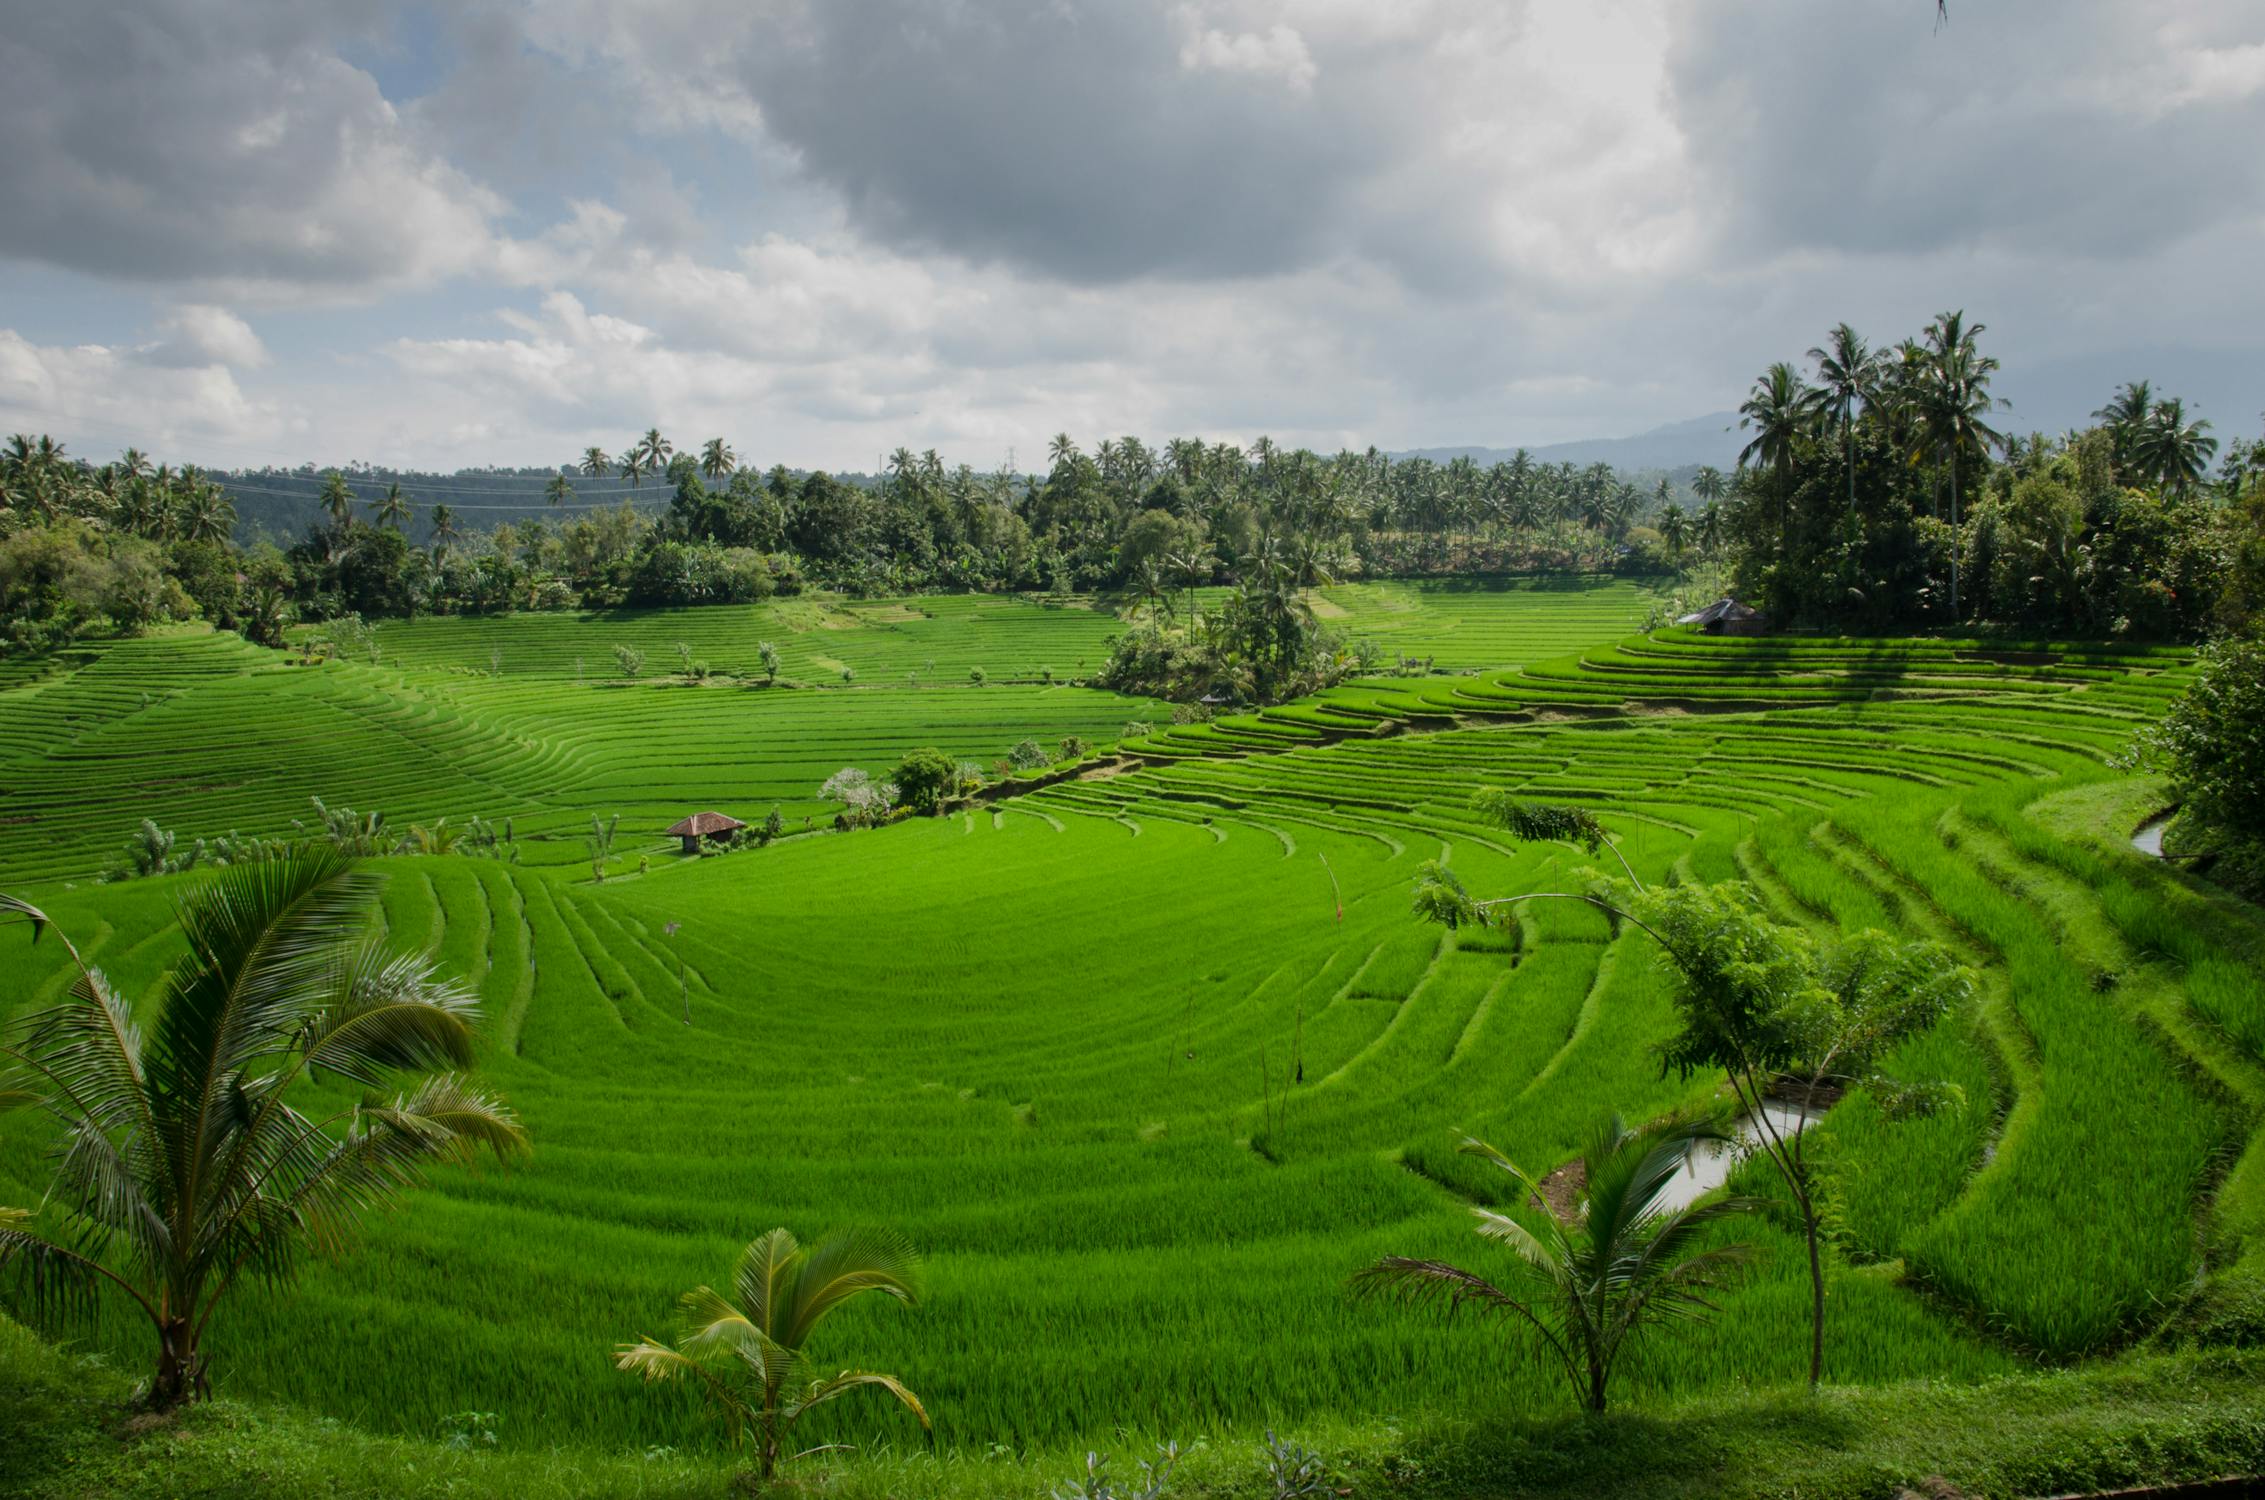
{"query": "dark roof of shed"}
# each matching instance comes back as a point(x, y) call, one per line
point(1721, 609)
point(701, 824)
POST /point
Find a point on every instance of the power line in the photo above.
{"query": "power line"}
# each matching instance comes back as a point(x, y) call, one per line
point(437, 489)
point(535, 502)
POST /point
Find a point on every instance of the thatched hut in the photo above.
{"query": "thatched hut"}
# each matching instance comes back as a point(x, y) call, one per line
point(1726, 616)
point(704, 825)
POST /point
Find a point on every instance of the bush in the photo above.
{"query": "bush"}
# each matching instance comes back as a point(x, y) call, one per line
point(978, 676)
point(1074, 747)
point(924, 778)
point(631, 660)
point(2213, 740)
point(1028, 756)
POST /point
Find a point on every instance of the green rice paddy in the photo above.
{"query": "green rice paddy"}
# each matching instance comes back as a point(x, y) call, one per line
point(1150, 1062)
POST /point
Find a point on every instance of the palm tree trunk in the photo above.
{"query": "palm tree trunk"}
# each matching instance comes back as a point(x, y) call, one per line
point(1816, 1294)
point(1954, 611)
point(180, 1369)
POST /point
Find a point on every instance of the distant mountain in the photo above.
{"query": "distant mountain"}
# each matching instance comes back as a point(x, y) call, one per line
point(1711, 439)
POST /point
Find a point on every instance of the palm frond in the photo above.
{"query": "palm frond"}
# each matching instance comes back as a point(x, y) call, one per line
point(391, 1013)
point(842, 1266)
point(850, 1380)
point(764, 1280)
point(88, 1050)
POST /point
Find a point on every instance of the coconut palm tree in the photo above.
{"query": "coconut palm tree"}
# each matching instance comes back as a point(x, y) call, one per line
point(184, 1163)
point(745, 1351)
point(2125, 416)
point(1779, 415)
point(444, 528)
point(1954, 402)
point(337, 500)
point(2172, 449)
point(1590, 1282)
point(655, 450)
point(595, 463)
point(1675, 532)
point(559, 490)
point(632, 466)
point(208, 515)
point(1711, 526)
point(1845, 367)
point(717, 460)
point(393, 509)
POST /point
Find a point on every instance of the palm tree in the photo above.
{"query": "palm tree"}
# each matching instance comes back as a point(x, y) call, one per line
point(1591, 1281)
point(184, 1164)
point(1778, 413)
point(337, 500)
point(1845, 367)
point(393, 509)
point(595, 463)
point(717, 459)
point(1710, 528)
point(444, 527)
point(1675, 531)
point(632, 465)
point(1954, 399)
point(746, 1354)
point(208, 515)
point(655, 450)
point(2172, 450)
point(559, 490)
point(2125, 416)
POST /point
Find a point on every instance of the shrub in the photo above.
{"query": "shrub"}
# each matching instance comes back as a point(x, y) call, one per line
point(1028, 756)
point(925, 777)
point(978, 676)
point(1074, 747)
point(2213, 740)
point(630, 659)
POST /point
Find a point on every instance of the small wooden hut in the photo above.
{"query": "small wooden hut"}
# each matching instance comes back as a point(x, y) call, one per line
point(704, 825)
point(1727, 616)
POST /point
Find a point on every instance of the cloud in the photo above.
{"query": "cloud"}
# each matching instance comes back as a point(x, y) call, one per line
point(222, 144)
point(198, 334)
point(105, 398)
point(2047, 127)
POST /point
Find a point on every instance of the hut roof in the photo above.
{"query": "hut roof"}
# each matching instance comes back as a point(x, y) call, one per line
point(1722, 610)
point(701, 824)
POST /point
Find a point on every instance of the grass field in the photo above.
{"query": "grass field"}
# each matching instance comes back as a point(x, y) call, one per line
point(1150, 1062)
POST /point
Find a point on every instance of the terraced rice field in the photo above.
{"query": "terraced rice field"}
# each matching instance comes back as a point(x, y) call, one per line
point(1150, 1062)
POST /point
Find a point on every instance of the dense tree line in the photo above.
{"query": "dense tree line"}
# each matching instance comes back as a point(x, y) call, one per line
point(128, 543)
point(1875, 494)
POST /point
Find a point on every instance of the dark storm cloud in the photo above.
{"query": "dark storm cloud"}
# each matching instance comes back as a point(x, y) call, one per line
point(209, 139)
point(1067, 138)
point(2049, 127)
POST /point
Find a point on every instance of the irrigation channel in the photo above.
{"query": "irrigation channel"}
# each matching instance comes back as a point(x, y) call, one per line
point(2149, 838)
point(1708, 1165)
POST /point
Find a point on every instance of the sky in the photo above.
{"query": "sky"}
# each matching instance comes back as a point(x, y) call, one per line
point(247, 232)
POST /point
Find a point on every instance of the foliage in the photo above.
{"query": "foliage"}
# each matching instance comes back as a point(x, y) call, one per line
point(924, 778)
point(2212, 741)
point(629, 659)
point(1590, 1283)
point(1097, 1484)
point(1029, 755)
point(863, 801)
point(745, 1351)
point(184, 1161)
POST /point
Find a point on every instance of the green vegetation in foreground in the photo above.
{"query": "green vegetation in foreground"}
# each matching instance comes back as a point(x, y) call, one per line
point(2151, 1418)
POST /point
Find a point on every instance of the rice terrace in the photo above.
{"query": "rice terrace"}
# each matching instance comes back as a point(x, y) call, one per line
point(910, 952)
